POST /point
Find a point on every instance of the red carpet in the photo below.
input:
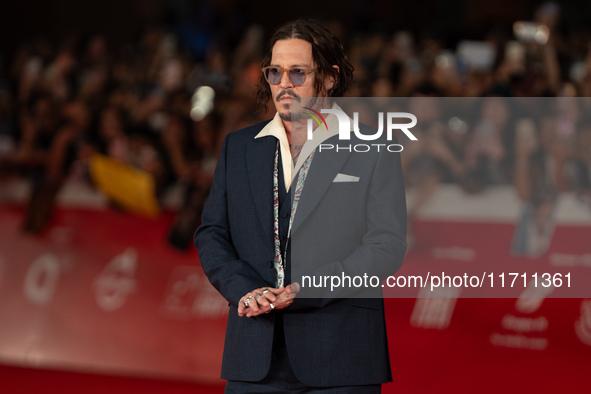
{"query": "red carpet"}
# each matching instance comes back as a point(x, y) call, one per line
point(16, 380)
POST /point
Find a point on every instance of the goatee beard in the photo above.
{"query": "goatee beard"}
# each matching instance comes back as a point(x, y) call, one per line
point(290, 116)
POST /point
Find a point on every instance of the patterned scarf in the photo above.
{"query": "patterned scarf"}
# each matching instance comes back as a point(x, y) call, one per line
point(279, 260)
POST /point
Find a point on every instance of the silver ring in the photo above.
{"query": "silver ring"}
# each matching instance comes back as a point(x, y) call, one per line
point(247, 300)
point(265, 291)
point(272, 306)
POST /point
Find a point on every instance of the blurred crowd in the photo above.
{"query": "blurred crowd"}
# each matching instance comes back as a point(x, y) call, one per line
point(61, 103)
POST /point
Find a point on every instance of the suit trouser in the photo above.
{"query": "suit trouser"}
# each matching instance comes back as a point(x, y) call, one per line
point(281, 378)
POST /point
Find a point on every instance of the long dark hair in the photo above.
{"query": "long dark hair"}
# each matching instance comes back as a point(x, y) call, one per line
point(327, 51)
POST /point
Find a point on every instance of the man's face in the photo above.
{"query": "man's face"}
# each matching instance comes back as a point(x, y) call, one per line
point(291, 53)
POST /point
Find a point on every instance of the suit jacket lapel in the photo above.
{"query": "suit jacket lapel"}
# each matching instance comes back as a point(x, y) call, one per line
point(325, 166)
point(259, 163)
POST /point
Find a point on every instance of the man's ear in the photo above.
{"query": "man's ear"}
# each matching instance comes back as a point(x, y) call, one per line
point(331, 80)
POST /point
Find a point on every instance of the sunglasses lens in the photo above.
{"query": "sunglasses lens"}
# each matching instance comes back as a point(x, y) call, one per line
point(273, 75)
point(297, 76)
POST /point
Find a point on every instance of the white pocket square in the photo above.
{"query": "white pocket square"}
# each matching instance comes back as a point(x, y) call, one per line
point(345, 178)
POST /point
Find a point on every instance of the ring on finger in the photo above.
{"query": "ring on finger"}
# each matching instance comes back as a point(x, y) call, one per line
point(272, 306)
point(247, 300)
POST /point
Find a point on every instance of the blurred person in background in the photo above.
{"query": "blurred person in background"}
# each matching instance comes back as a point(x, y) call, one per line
point(436, 156)
point(192, 149)
point(113, 140)
point(38, 123)
point(547, 162)
point(58, 153)
point(8, 135)
point(583, 154)
point(535, 227)
point(486, 159)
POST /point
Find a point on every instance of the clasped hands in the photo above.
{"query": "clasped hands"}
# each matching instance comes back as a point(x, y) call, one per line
point(266, 299)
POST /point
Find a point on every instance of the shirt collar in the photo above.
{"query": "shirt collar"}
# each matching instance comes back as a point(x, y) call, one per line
point(275, 128)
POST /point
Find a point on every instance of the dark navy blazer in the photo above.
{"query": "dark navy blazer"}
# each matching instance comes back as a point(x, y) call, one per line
point(353, 227)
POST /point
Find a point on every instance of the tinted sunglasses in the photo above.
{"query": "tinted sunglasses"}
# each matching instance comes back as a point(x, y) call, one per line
point(296, 75)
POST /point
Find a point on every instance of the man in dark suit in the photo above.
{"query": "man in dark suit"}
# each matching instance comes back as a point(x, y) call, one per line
point(348, 217)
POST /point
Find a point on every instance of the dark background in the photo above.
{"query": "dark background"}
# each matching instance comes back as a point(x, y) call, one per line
point(123, 20)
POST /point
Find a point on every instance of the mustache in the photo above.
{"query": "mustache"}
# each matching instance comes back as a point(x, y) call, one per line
point(288, 92)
